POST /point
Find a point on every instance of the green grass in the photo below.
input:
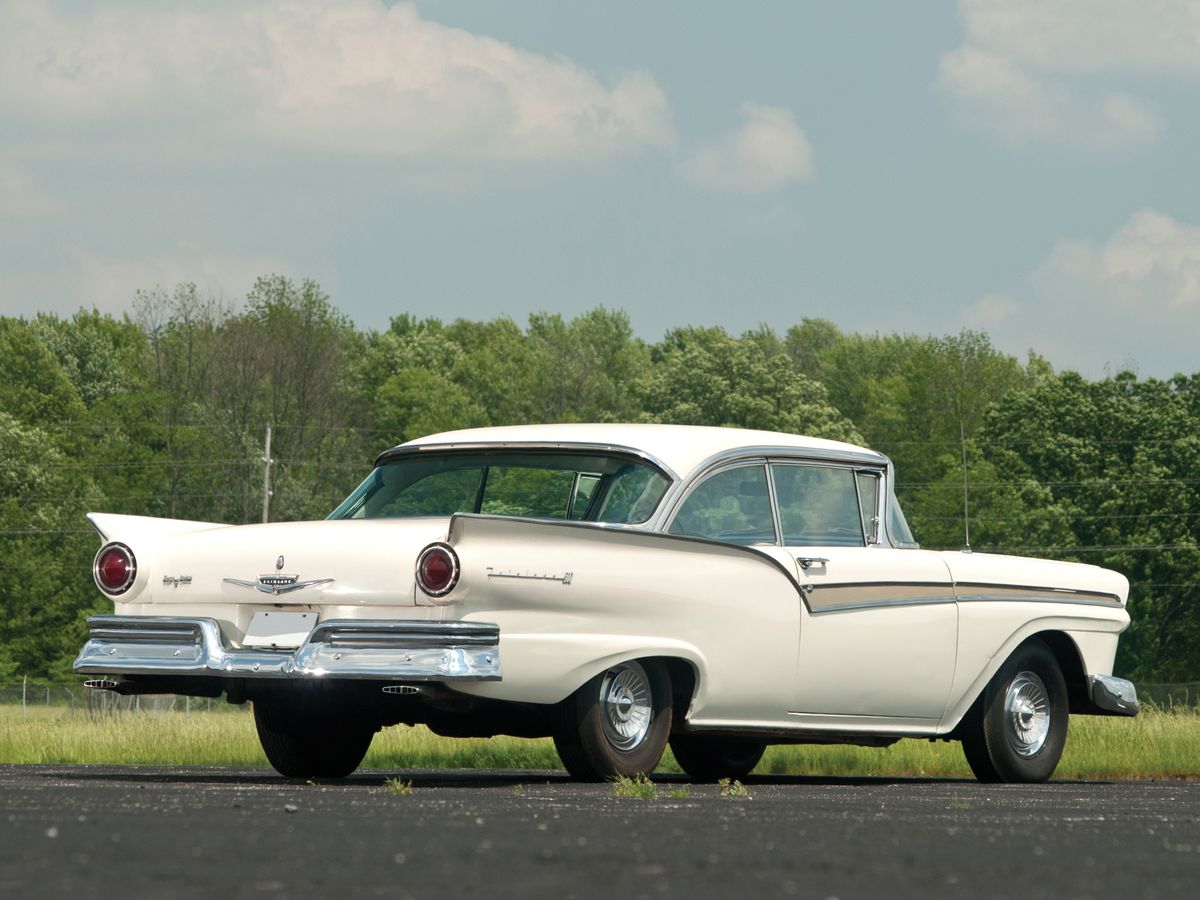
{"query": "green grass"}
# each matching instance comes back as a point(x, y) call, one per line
point(639, 787)
point(733, 789)
point(1157, 744)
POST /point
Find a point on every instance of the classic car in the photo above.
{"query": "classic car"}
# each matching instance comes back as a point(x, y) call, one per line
point(618, 588)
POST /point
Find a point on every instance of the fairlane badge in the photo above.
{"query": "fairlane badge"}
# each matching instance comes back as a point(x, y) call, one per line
point(277, 583)
point(176, 580)
point(565, 579)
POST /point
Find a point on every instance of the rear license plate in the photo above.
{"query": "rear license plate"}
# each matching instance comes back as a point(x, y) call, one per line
point(280, 630)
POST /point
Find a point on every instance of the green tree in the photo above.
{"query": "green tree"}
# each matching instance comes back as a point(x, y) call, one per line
point(703, 376)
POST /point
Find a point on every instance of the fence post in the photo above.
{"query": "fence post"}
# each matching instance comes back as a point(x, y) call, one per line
point(24, 689)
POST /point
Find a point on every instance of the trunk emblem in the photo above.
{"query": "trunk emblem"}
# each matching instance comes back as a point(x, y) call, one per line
point(277, 583)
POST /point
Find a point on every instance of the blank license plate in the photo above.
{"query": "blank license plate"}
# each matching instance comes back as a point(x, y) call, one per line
point(283, 630)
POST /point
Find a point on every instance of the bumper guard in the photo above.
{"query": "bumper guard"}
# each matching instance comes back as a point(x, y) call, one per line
point(1115, 696)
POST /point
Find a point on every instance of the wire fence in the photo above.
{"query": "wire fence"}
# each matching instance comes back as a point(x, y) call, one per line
point(28, 693)
point(73, 696)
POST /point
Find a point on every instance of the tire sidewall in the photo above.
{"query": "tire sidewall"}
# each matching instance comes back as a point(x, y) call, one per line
point(1010, 766)
point(607, 760)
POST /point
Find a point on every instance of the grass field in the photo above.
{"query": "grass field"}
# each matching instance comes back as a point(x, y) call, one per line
point(1157, 744)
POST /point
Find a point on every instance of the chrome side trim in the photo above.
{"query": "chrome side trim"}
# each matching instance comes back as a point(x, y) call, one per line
point(1114, 695)
point(882, 604)
point(339, 648)
point(823, 598)
point(1008, 593)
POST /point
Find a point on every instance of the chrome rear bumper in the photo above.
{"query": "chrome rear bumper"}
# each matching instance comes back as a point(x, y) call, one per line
point(339, 648)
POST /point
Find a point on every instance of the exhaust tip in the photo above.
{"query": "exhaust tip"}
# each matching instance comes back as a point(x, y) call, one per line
point(100, 684)
point(404, 690)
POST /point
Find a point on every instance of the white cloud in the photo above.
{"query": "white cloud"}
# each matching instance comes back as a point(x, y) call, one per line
point(1041, 71)
point(109, 283)
point(1150, 267)
point(356, 77)
point(992, 93)
point(1150, 37)
point(1097, 306)
point(767, 153)
point(990, 312)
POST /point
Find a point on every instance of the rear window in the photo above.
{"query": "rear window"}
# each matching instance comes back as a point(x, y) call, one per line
point(580, 486)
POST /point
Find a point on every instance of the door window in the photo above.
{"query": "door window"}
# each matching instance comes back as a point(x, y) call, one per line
point(733, 505)
point(818, 506)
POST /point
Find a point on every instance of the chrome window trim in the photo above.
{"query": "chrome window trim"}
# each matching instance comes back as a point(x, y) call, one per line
point(583, 446)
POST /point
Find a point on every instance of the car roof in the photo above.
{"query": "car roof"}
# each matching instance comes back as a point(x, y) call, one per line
point(681, 448)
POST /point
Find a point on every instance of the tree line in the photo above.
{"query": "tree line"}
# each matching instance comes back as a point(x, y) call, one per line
point(162, 412)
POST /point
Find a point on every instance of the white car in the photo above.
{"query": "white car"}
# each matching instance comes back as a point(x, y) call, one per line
point(619, 588)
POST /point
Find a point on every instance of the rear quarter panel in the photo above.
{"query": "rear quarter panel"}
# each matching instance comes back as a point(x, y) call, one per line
point(572, 600)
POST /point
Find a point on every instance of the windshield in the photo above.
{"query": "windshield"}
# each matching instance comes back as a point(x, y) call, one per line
point(586, 486)
point(898, 529)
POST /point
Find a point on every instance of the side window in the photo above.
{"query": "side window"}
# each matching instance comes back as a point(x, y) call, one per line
point(733, 505)
point(868, 502)
point(818, 506)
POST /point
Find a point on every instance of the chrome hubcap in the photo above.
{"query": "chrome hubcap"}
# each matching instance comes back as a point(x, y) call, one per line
point(1027, 714)
point(625, 705)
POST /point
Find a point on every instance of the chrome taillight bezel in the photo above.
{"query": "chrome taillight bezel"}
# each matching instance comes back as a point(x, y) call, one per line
point(439, 548)
point(130, 576)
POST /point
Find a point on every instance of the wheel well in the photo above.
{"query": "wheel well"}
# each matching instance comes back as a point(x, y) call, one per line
point(683, 685)
point(1071, 665)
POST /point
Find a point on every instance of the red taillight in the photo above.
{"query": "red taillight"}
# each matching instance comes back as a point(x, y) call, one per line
point(114, 568)
point(437, 569)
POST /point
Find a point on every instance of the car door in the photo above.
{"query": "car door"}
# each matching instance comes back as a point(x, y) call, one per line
point(879, 626)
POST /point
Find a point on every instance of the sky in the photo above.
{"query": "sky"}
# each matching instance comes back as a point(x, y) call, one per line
point(1030, 168)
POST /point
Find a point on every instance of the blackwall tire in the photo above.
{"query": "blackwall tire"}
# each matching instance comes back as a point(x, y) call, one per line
point(1020, 729)
point(310, 743)
point(617, 724)
point(709, 758)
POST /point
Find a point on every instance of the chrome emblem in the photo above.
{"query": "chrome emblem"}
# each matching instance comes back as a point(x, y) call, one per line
point(530, 576)
point(277, 583)
point(176, 580)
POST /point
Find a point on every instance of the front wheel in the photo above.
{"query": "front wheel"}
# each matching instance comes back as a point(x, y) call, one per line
point(1021, 728)
point(709, 758)
point(617, 724)
point(310, 742)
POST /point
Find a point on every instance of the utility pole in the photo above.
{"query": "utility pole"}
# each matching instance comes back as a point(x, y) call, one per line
point(267, 474)
point(962, 436)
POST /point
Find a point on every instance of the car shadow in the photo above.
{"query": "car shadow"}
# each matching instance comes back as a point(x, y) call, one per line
point(475, 779)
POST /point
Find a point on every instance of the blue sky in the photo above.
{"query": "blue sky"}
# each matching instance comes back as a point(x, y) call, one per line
point(1027, 167)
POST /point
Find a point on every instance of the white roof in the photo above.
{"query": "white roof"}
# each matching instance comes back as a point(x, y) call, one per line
point(679, 447)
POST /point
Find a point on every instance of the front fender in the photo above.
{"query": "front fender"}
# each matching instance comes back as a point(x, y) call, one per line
point(1094, 638)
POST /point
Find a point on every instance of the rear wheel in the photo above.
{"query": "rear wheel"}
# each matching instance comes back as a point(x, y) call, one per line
point(1021, 727)
point(617, 724)
point(314, 742)
point(708, 758)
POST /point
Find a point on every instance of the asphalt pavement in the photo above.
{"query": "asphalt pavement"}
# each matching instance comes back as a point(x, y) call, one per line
point(154, 832)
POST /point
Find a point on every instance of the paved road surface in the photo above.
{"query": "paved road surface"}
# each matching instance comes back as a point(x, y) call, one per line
point(132, 832)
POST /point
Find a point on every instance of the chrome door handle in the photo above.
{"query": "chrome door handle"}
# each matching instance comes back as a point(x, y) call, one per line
point(806, 561)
